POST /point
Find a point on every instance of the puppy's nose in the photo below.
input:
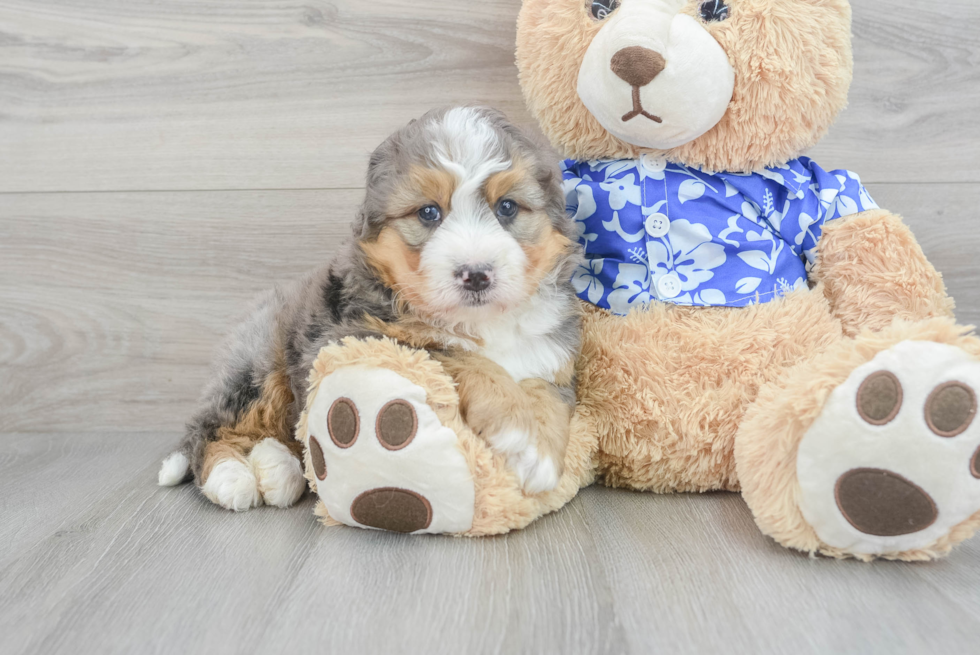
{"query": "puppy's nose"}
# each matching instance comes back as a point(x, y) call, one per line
point(475, 278)
point(637, 65)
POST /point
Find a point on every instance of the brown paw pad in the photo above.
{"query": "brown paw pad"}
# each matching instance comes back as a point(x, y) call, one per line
point(883, 503)
point(396, 425)
point(343, 422)
point(388, 508)
point(316, 454)
point(950, 408)
point(975, 464)
point(879, 398)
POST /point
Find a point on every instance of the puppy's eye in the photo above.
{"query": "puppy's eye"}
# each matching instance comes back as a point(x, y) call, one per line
point(430, 214)
point(507, 209)
point(602, 8)
point(713, 11)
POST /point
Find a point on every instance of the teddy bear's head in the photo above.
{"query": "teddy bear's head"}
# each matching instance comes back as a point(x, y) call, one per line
point(733, 85)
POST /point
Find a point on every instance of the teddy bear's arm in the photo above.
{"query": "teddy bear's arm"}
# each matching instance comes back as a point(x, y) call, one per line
point(873, 271)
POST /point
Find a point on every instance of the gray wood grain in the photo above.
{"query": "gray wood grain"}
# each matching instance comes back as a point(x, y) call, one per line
point(124, 95)
point(113, 303)
point(138, 95)
point(915, 96)
point(698, 560)
point(145, 569)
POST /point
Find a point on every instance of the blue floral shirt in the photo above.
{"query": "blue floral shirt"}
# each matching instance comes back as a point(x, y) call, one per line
point(657, 231)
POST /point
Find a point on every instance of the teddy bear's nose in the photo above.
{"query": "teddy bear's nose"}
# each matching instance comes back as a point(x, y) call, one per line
point(637, 65)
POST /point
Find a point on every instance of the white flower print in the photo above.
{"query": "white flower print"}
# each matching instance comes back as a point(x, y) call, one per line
point(827, 197)
point(801, 179)
point(770, 174)
point(690, 190)
point(622, 191)
point(632, 288)
point(688, 251)
point(758, 258)
point(580, 198)
point(753, 212)
point(846, 206)
point(709, 297)
point(866, 201)
point(732, 228)
point(586, 276)
point(806, 222)
point(748, 284)
point(773, 215)
point(614, 226)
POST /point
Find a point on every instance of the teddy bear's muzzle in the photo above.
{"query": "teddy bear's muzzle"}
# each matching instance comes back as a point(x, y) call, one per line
point(638, 66)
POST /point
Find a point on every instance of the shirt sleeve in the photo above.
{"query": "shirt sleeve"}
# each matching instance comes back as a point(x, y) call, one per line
point(826, 196)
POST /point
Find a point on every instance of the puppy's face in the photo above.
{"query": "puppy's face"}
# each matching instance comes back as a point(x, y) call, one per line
point(464, 216)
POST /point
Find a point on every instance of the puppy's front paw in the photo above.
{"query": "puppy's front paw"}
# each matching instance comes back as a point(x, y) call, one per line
point(232, 485)
point(536, 472)
point(510, 440)
point(278, 472)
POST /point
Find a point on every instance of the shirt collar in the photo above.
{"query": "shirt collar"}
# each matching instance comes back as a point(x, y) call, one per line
point(794, 176)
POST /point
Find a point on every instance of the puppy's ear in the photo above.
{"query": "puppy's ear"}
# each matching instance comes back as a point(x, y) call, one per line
point(361, 227)
point(381, 173)
point(381, 161)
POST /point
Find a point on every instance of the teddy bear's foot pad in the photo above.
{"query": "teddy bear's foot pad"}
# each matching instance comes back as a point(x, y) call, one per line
point(892, 463)
point(383, 459)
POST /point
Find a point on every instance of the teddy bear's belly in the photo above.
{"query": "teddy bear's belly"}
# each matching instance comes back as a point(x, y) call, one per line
point(668, 385)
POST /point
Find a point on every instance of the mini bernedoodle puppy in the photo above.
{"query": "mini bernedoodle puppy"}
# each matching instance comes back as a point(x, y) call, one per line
point(462, 247)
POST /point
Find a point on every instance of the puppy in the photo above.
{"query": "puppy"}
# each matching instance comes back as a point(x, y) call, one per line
point(463, 247)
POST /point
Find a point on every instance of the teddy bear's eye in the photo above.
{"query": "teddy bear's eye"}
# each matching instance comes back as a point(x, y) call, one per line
point(602, 8)
point(714, 11)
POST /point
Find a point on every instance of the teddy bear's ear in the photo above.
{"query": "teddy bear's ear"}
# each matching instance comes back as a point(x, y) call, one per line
point(786, 65)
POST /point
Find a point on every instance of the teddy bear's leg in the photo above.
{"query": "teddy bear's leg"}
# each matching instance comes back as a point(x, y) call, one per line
point(873, 271)
point(387, 448)
point(872, 449)
point(383, 459)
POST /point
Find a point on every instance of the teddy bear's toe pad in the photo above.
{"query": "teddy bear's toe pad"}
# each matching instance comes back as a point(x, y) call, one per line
point(392, 509)
point(890, 464)
point(383, 459)
point(882, 503)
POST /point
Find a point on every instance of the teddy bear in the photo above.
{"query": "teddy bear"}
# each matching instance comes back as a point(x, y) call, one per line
point(752, 322)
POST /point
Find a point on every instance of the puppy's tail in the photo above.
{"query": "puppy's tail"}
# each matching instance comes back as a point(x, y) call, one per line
point(176, 469)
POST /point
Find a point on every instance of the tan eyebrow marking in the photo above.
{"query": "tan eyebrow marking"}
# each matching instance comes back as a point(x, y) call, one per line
point(435, 184)
point(499, 184)
point(419, 187)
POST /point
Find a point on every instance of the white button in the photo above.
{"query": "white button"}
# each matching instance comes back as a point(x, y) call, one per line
point(652, 163)
point(669, 286)
point(657, 225)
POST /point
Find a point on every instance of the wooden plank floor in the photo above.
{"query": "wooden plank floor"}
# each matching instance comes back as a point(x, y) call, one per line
point(162, 161)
